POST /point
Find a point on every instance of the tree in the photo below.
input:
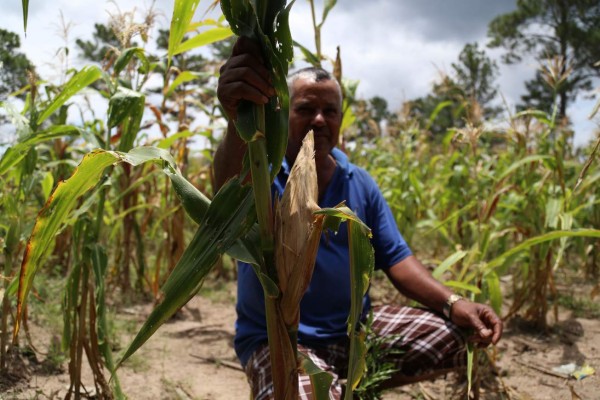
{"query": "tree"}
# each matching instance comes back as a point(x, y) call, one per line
point(568, 30)
point(466, 94)
point(475, 74)
point(104, 40)
point(442, 109)
point(14, 65)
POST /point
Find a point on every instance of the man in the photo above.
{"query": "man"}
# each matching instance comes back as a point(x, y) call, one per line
point(430, 344)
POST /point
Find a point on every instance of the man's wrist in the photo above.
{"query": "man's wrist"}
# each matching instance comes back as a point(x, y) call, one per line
point(450, 301)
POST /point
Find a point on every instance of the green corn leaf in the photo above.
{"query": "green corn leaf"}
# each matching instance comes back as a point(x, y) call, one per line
point(88, 75)
point(126, 57)
point(15, 154)
point(240, 16)
point(270, 288)
point(121, 105)
point(493, 283)
point(452, 216)
point(436, 111)
point(168, 142)
point(12, 288)
point(247, 120)
point(278, 48)
point(248, 250)
point(204, 38)
point(524, 161)
point(194, 201)
point(470, 354)
point(341, 213)
point(205, 22)
point(309, 56)
point(50, 219)
point(25, 4)
point(537, 114)
point(126, 107)
point(357, 363)
point(447, 263)
point(349, 117)
point(553, 209)
point(587, 164)
point(463, 286)
point(498, 261)
point(362, 261)
point(71, 288)
point(47, 184)
point(99, 268)
point(184, 77)
point(329, 4)
point(320, 380)
point(226, 221)
point(12, 237)
point(61, 203)
point(196, 204)
point(283, 36)
point(183, 12)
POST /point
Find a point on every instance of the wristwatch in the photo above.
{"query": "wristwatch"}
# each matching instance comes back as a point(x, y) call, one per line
point(449, 303)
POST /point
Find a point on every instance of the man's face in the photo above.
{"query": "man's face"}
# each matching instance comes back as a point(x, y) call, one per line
point(316, 106)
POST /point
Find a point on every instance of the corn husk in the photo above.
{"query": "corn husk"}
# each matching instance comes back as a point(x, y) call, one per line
point(297, 232)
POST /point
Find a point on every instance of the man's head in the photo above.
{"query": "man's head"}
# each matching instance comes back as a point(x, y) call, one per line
point(315, 103)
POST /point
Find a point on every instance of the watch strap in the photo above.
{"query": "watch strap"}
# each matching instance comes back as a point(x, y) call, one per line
point(453, 298)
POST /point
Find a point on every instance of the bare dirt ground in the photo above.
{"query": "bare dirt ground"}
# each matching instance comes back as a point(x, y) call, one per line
point(191, 357)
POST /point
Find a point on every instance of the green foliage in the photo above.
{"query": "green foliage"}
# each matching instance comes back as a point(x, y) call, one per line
point(226, 220)
point(522, 217)
point(461, 98)
point(15, 65)
point(475, 74)
point(565, 29)
point(379, 361)
point(104, 40)
point(442, 109)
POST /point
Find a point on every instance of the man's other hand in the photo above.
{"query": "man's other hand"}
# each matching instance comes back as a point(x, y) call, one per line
point(486, 325)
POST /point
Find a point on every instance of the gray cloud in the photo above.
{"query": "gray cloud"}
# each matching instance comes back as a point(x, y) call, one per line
point(435, 19)
point(396, 48)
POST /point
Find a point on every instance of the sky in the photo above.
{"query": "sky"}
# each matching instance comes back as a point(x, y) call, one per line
point(396, 48)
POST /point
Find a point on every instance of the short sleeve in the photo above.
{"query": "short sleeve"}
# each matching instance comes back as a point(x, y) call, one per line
point(388, 243)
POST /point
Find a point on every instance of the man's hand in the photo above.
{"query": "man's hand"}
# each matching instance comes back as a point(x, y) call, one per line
point(486, 325)
point(244, 77)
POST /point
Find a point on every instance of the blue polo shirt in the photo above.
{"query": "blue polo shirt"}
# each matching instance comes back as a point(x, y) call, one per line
point(326, 304)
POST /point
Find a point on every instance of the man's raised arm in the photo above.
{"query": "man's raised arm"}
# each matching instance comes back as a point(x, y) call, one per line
point(243, 77)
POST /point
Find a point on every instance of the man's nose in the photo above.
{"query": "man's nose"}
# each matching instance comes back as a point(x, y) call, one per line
point(318, 119)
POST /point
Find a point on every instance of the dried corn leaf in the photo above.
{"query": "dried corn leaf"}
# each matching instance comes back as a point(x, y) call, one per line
point(294, 213)
point(297, 239)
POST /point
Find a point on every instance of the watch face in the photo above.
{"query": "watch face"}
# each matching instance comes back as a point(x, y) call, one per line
point(448, 305)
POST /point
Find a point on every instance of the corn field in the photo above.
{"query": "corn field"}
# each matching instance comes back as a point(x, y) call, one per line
point(500, 211)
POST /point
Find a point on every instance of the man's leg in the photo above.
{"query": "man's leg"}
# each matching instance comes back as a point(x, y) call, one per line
point(258, 371)
point(429, 344)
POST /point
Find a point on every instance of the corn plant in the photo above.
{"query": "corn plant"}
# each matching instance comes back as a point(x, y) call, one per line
point(85, 327)
point(484, 206)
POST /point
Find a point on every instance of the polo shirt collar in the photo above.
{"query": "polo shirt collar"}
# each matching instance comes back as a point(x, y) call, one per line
point(343, 164)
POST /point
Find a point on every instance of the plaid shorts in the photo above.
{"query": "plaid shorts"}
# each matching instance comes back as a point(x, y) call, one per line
point(426, 343)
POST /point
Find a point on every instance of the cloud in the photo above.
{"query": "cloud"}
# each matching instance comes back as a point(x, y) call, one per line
point(434, 19)
point(396, 48)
